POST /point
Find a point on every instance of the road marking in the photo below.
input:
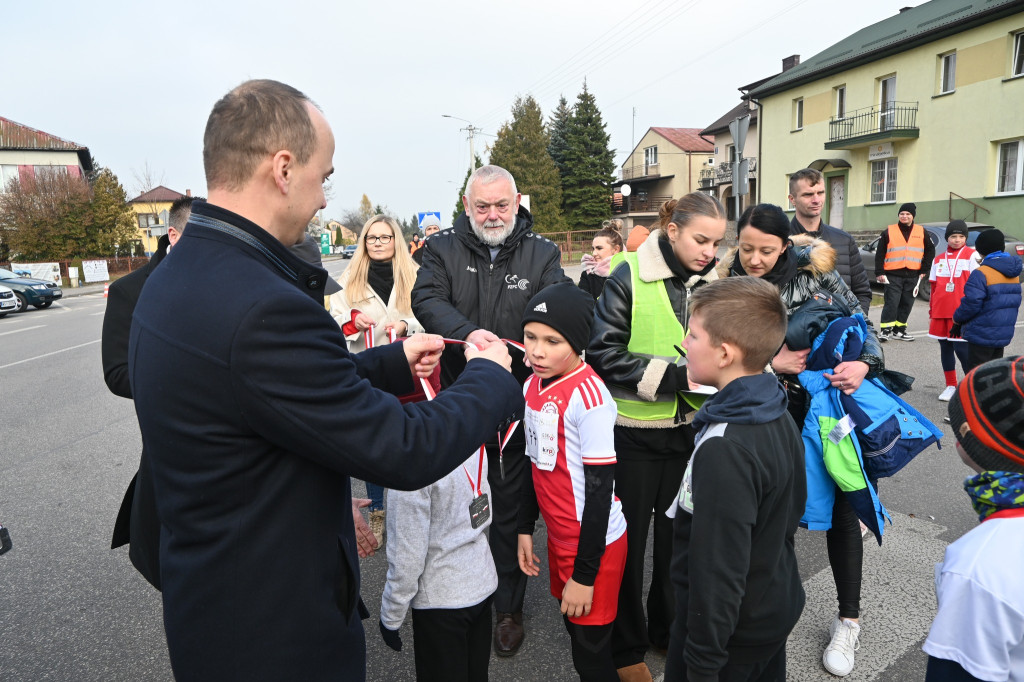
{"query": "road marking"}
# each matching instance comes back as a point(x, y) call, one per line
point(103, 312)
point(23, 329)
point(46, 355)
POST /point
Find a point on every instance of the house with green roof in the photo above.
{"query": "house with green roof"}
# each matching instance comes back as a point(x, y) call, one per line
point(925, 106)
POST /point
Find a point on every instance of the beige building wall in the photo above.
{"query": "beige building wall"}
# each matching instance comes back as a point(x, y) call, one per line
point(959, 132)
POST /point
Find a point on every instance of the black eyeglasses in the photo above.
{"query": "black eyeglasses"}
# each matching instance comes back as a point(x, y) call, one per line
point(380, 239)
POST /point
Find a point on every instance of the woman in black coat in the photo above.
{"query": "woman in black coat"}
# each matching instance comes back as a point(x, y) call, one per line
point(800, 267)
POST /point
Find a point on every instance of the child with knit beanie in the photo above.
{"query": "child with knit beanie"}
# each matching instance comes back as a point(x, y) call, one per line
point(569, 421)
point(948, 278)
point(988, 311)
point(978, 632)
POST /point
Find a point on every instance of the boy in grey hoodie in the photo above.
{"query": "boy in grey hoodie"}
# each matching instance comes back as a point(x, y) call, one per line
point(440, 564)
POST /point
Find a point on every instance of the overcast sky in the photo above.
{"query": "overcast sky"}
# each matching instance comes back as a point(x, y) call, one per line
point(135, 81)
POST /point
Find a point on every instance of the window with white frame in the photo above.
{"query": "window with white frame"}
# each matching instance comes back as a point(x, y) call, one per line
point(883, 181)
point(1010, 173)
point(947, 73)
point(841, 101)
point(148, 220)
point(651, 156)
point(798, 114)
point(8, 172)
point(1018, 55)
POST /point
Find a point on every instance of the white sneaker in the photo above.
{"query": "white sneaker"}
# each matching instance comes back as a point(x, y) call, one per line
point(838, 658)
point(947, 394)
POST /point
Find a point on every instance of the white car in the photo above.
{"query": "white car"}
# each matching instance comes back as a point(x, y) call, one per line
point(8, 303)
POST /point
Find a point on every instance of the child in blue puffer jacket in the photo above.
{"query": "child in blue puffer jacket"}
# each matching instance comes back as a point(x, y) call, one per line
point(988, 310)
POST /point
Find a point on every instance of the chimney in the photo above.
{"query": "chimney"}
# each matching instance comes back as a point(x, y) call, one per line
point(789, 62)
point(904, 9)
point(188, 192)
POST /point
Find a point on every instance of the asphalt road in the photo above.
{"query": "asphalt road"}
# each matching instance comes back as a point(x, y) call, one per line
point(72, 609)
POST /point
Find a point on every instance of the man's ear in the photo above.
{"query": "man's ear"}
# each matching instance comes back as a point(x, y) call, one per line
point(282, 164)
point(465, 203)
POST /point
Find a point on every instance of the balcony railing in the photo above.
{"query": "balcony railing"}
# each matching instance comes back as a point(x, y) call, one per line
point(707, 178)
point(895, 119)
point(641, 171)
point(723, 171)
point(639, 203)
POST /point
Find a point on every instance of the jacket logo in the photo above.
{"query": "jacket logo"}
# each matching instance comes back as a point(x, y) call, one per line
point(470, 268)
point(514, 282)
point(541, 307)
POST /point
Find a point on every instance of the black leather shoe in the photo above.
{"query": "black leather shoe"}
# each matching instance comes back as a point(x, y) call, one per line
point(508, 633)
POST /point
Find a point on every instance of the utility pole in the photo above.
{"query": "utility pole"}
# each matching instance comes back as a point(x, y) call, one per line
point(471, 130)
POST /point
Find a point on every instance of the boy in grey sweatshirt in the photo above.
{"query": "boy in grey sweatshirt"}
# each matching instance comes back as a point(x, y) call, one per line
point(440, 564)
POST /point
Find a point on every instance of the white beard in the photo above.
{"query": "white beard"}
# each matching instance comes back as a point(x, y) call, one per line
point(492, 238)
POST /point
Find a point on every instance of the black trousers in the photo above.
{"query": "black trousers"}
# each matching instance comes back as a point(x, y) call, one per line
point(503, 537)
point(452, 645)
point(647, 487)
point(770, 670)
point(979, 355)
point(591, 655)
point(846, 555)
point(899, 300)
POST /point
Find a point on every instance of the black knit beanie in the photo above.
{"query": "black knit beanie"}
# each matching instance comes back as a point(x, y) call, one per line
point(565, 308)
point(909, 207)
point(956, 227)
point(987, 414)
point(990, 241)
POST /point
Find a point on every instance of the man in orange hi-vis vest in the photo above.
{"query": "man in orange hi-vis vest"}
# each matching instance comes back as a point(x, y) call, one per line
point(901, 261)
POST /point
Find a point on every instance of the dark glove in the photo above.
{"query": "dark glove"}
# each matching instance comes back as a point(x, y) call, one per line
point(390, 637)
point(956, 331)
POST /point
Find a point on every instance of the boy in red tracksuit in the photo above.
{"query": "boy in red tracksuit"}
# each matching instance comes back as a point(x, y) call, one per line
point(569, 438)
point(948, 277)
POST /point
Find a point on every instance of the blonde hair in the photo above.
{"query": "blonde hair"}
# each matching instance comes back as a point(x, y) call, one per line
point(402, 265)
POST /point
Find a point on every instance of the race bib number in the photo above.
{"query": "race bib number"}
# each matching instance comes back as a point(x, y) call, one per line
point(542, 436)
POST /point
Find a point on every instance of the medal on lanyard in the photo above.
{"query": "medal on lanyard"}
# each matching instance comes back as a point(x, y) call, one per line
point(950, 287)
point(479, 508)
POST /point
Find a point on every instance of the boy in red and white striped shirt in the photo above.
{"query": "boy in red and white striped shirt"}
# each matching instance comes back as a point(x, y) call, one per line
point(569, 438)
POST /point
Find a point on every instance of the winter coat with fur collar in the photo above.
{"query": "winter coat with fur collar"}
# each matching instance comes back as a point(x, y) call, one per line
point(816, 271)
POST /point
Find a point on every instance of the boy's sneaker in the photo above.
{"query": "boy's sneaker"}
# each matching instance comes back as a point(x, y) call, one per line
point(947, 394)
point(838, 658)
point(883, 335)
point(377, 527)
point(902, 335)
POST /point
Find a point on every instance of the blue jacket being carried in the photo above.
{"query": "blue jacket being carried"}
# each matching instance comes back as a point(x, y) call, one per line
point(988, 310)
point(850, 441)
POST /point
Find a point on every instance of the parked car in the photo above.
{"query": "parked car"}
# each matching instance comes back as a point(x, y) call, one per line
point(937, 233)
point(30, 291)
point(349, 251)
point(8, 303)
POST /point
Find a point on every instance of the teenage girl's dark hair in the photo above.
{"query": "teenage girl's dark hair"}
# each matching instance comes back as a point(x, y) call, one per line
point(682, 211)
point(613, 237)
point(767, 218)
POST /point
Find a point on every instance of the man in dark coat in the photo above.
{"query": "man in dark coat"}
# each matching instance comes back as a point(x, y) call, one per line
point(254, 414)
point(136, 522)
point(807, 193)
point(474, 284)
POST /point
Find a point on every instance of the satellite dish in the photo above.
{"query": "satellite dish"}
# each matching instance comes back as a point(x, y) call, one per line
point(626, 190)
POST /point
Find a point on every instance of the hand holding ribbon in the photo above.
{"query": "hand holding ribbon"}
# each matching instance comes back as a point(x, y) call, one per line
point(423, 352)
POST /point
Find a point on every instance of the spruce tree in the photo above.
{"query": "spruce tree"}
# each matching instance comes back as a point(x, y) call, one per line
point(589, 166)
point(558, 127)
point(521, 148)
point(458, 202)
